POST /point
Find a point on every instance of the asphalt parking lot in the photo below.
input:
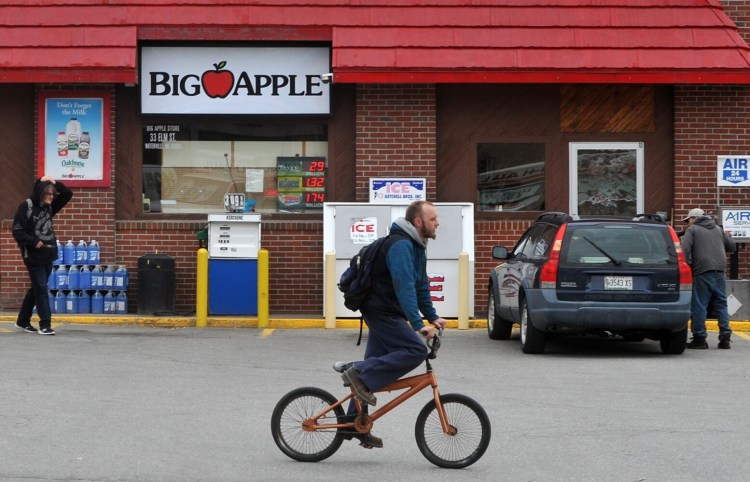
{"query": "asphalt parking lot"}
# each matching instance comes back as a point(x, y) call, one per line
point(134, 403)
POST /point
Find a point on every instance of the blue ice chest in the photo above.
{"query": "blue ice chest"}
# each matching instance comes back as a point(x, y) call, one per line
point(233, 286)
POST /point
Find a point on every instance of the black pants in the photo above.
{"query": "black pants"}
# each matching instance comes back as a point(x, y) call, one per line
point(37, 295)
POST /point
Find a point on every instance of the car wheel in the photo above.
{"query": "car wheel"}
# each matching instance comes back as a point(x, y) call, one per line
point(532, 340)
point(674, 343)
point(497, 328)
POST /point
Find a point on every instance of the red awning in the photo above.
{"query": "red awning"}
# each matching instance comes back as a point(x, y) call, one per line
point(389, 41)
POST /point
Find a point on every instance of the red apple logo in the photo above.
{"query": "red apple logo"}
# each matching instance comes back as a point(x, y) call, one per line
point(217, 83)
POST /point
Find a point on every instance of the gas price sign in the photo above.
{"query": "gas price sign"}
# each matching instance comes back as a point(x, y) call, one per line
point(301, 182)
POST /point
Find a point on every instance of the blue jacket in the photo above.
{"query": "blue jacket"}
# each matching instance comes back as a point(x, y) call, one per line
point(400, 285)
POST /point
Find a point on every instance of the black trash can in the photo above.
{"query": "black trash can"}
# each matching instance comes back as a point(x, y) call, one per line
point(156, 284)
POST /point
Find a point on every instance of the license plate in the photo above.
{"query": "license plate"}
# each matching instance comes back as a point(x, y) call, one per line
point(618, 282)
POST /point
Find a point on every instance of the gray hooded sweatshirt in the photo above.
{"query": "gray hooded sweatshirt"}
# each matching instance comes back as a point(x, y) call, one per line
point(706, 246)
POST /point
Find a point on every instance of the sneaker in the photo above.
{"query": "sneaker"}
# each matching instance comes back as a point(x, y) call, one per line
point(725, 342)
point(698, 342)
point(367, 440)
point(27, 328)
point(46, 331)
point(351, 378)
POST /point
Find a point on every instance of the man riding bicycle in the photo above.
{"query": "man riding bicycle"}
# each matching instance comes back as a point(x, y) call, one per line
point(393, 312)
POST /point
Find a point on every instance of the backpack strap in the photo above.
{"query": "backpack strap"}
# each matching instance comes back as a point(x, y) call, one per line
point(29, 206)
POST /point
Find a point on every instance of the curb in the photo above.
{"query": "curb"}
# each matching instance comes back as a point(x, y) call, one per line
point(273, 323)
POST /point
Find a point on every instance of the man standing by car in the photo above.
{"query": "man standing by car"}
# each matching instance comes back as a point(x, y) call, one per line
point(393, 312)
point(706, 246)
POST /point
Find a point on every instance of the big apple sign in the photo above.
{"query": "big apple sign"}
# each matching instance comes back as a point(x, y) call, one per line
point(235, 80)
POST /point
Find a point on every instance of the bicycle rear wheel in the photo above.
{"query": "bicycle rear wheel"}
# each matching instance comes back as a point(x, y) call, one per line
point(286, 425)
point(466, 445)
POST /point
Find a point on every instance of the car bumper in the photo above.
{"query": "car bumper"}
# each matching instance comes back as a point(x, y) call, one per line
point(547, 313)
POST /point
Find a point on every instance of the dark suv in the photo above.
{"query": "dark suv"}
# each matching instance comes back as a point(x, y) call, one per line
point(604, 275)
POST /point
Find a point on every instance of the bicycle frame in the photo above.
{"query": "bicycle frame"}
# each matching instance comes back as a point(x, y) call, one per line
point(412, 385)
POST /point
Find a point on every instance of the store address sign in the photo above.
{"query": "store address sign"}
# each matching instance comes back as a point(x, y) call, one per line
point(235, 80)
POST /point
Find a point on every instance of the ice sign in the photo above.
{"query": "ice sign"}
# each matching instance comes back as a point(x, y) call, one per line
point(364, 230)
point(733, 171)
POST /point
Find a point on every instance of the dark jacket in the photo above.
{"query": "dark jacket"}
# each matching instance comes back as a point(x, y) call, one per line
point(33, 225)
point(706, 246)
point(400, 283)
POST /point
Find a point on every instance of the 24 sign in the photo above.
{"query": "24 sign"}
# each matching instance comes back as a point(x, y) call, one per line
point(733, 171)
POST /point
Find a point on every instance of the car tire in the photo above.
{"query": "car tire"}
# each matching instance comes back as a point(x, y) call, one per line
point(674, 343)
point(497, 328)
point(533, 341)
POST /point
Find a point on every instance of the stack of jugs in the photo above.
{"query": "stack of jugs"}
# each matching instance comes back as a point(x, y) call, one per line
point(52, 280)
point(121, 279)
point(60, 302)
point(109, 278)
point(84, 302)
point(69, 253)
point(51, 301)
point(85, 278)
point(94, 252)
point(109, 304)
point(59, 259)
point(81, 253)
point(97, 280)
point(71, 303)
point(97, 303)
point(62, 277)
point(74, 276)
point(121, 303)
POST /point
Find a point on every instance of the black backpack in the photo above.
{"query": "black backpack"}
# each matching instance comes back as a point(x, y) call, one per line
point(356, 282)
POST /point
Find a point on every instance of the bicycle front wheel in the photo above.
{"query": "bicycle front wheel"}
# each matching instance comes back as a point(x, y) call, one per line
point(287, 425)
point(470, 427)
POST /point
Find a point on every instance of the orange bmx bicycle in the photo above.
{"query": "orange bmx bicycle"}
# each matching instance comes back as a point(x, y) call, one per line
point(452, 431)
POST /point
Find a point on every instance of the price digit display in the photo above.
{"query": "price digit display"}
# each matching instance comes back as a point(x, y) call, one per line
point(301, 182)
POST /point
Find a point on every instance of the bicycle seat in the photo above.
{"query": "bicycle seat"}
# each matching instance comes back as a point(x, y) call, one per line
point(342, 366)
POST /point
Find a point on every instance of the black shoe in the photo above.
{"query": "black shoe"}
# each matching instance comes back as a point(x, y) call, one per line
point(724, 342)
point(351, 378)
point(698, 342)
point(27, 328)
point(366, 440)
point(46, 331)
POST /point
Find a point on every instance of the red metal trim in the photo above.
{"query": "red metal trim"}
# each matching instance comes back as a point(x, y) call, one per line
point(543, 77)
point(90, 75)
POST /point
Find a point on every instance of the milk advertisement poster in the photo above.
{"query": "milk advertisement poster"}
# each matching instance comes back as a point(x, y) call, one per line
point(74, 142)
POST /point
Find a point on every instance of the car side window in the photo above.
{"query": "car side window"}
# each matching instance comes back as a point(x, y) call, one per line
point(544, 241)
point(526, 246)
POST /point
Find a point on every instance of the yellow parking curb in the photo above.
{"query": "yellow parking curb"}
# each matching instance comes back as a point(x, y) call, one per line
point(273, 323)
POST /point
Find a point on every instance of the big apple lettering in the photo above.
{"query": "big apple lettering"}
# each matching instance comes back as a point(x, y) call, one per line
point(220, 83)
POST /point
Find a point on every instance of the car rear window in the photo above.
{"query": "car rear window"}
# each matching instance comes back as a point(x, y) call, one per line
point(631, 244)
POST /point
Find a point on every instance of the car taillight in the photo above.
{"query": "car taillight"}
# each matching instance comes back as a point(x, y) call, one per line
point(548, 276)
point(686, 274)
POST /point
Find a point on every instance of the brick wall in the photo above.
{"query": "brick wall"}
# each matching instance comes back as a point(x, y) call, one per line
point(709, 121)
point(395, 134)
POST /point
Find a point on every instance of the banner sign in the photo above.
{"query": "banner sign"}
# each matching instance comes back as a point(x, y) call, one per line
point(235, 80)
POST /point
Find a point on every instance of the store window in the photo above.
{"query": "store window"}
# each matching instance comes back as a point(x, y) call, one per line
point(510, 176)
point(606, 178)
point(188, 167)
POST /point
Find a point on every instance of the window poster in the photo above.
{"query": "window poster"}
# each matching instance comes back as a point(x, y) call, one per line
point(74, 137)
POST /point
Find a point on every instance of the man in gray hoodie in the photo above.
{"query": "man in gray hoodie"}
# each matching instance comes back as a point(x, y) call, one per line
point(706, 246)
